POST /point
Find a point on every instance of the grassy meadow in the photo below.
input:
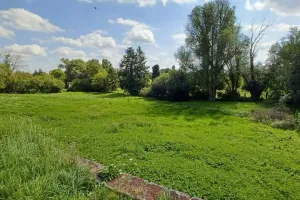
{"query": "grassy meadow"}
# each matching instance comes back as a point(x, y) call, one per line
point(209, 150)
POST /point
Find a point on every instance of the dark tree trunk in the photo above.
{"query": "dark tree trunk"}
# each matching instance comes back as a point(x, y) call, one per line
point(252, 68)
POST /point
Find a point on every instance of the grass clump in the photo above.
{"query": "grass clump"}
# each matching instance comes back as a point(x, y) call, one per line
point(33, 166)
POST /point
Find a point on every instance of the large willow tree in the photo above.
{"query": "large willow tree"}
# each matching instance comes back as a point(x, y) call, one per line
point(210, 31)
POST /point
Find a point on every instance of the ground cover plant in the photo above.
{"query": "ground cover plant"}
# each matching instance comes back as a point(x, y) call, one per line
point(206, 149)
point(34, 166)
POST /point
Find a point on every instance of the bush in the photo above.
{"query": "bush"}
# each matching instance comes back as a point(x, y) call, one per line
point(229, 96)
point(5, 75)
point(279, 114)
point(83, 85)
point(48, 84)
point(178, 86)
point(159, 86)
point(285, 125)
point(255, 88)
point(172, 86)
point(145, 92)
point(100, 81)
point(25, 83)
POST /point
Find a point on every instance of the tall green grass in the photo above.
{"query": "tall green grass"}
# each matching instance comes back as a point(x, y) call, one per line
point(33, 166)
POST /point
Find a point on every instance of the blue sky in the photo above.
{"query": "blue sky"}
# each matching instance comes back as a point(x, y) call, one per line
point(43, 31)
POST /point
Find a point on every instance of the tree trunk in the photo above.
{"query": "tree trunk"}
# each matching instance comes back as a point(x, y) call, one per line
point(252, 68)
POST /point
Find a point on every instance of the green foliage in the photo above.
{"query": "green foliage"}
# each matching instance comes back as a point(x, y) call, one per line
point(81, 84)
point(100, 81)
point(93, 67)
point(112, 78)
point(284, 67)
point(133, 71)
point(217, 153)
point(210, 32)
point(22, 82)
point(159, 86)
point(5, 75)
point(145, 92)
point(58, 74)
point(89, 76)
point(178, 87)
point(155, 72)
point(109, 173)
point(172, 86)
point(73, 68)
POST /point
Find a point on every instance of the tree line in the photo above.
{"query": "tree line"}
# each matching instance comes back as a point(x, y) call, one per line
point(217, 61)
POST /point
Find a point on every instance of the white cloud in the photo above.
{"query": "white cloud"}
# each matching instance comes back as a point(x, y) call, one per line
point(162, 59)
point(22, 19)
point(86, 1)
point(25, 50)
point(179, 38)
point(67, 52)
point(283, 27)
point(140, 33)
point(280, 7)
point(129, 22)
point(140, 3)
point(114, 56)
point(94, 39)
point(258, 5)
point(6, 33)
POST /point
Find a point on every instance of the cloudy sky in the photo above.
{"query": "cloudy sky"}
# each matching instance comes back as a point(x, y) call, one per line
point(43, 31)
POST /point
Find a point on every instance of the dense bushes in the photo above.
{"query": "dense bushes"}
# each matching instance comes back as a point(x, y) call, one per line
point(22, 82)
point(172, 86)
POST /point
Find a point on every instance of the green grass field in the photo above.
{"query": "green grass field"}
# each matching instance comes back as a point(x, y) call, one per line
point(209, 150)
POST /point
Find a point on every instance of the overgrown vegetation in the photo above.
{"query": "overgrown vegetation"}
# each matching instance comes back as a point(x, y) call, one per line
point(33, 166)
point(206, 149)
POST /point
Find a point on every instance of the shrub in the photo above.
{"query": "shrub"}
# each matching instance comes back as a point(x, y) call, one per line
point(266, 115)
point(25, 83)
point(5, 74)
point(47, 84)
point(100, 81)
point(286, 99)
point(159, 86)
point(172, 86)
point(255, 88)
point(178, 86)
point(83, 85)
point(145, 92)
point(285, 125)
point(229, 96)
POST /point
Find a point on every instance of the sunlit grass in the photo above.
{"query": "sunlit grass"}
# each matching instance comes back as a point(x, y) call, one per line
point(205, 149)
point(32, 166)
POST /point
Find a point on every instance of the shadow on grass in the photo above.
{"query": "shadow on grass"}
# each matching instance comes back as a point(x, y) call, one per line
point(192, 110)
point(109, 95)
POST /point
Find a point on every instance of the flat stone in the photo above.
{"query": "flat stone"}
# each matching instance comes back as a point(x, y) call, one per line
point(136, 187)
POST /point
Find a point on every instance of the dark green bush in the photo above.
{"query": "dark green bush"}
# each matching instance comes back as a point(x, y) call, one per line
point(171, 86)
point(84, 85)
point(159, 86)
